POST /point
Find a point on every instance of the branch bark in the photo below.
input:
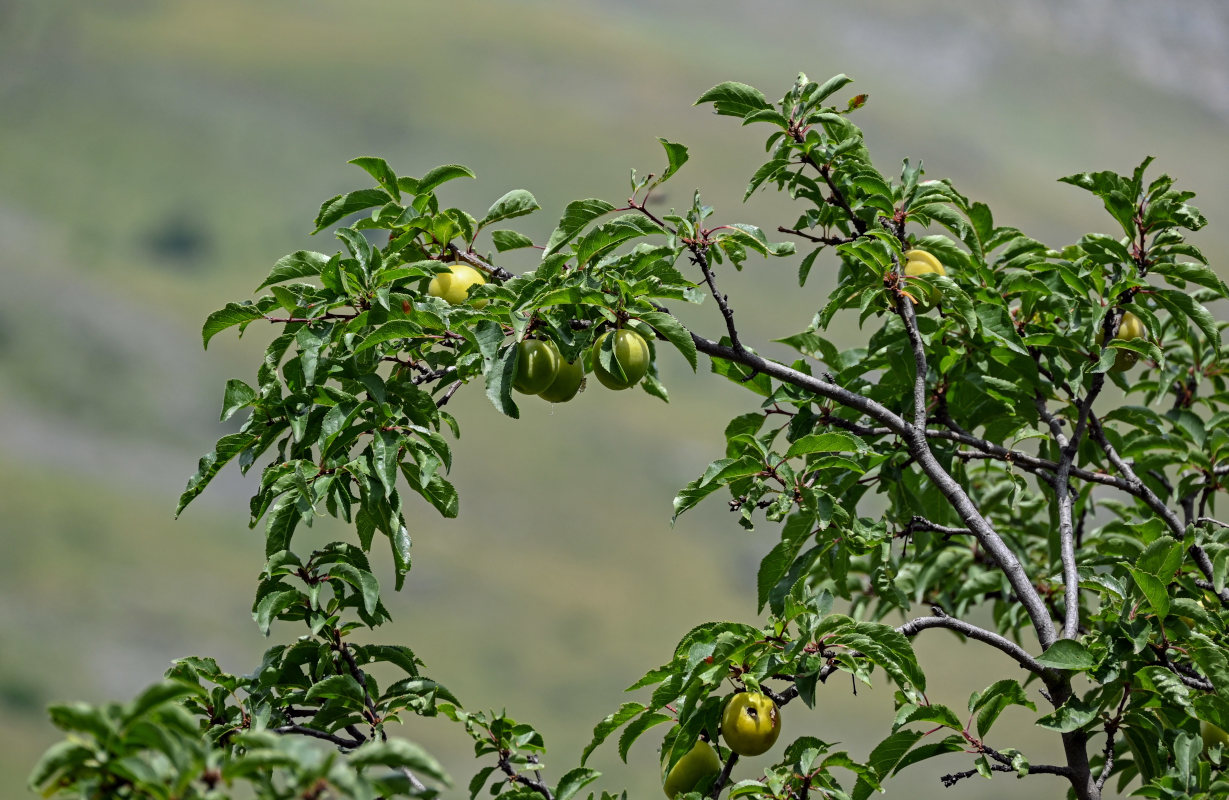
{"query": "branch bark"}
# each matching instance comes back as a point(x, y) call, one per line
point(986, 535)
point(1015, 651)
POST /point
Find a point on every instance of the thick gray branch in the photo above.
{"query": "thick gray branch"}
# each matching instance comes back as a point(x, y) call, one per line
point(941, 620)
point(916, 437)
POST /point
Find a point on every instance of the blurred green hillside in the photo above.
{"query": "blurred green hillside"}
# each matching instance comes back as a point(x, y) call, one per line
point(156, 157)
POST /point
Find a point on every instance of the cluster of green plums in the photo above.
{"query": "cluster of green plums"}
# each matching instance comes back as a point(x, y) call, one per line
point(750, 725)
point(541, 369)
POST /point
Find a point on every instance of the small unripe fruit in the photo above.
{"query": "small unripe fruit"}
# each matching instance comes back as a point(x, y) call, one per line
point(700, 764)
point(454, 285)
point(926, 258)
point(566, 383)
point(919, 262)
point(1213, 735)
point(632, 353)
point(1131, 327)
point(750, 723)
point(536, 366)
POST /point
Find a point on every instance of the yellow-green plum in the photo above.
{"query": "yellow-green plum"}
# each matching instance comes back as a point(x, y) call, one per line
point(632, 353)
point(750, 723)
point(1213, 735)
point(919, 262)
point(536, 365)
point(1131, 327)
point(566, 383)
point(455, 284)
point(699, 765)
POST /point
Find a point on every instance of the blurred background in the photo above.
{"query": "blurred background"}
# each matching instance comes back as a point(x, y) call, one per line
point(157, 156)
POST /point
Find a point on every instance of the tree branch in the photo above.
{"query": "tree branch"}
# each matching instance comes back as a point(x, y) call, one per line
point(724, 777)
point(923, 524)
point(952, 779)
point(348, 744)
point(1111, 730)
point(828, 240)
point(953, 491)
point(516, 777)
point(942, 620)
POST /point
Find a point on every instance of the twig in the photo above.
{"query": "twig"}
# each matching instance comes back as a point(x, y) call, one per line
point(443, 401)
point(724, 777)
point(348, 744)
point(1111, 729)
point(942, 620)
point(989, 539)
point(922, 524)
point(516, 777)
point(828, 240)
point(952, 779)
point(498, 273)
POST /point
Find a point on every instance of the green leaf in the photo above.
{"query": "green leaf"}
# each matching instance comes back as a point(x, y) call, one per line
point(881, 644)
point(677, 156)
point(1071, 715)
point(378, 168)
point(343, 205)
point(227, 448)
point(934, 713)
point(1067, 654)
point(398, 753)
point(610, 235)
point(718, 474)
point(883, 759)
point(830, 442)
point(299, 264)
point(675, 333)
point(1161, 558)
point(749, 379)
point(830, 87)
point(515, 203)
point(238, 395)
point(1181, 303)
point(510, 240)
point(574, 781)
point(576, 216)
point(279, 528)
point(166, 691)
point(1194, 273)
point(61, 757)
point(636, 729)
point(951, 744)
point(397, 329)
point(439, 175)
point(767, 171)
point(232, 314)
point(396, 654)
point(82, 718)
point(1154, 590)
point(499, 374)
point(609, 725)
point(1165, 683)
point(775, 565)
point(273, 604)
point(336, 687)
point(991, 702)
point(437, 491)
point(361, 579)
point(734, 99)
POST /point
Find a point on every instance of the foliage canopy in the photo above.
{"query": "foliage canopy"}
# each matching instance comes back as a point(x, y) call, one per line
point(1023, 470)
